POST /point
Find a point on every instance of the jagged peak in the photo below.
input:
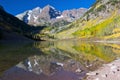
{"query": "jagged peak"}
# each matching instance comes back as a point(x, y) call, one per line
point(37, 8)
point(49, 6)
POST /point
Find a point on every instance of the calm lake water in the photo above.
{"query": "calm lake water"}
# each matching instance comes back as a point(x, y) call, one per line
point(60, 60)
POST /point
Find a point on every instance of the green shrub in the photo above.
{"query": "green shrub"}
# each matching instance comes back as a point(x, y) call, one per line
point(102, 7)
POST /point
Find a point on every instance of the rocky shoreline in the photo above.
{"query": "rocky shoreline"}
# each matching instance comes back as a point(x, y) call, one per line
point(109, 71)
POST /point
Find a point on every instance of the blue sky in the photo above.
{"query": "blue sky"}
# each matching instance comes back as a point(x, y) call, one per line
point(18, 6)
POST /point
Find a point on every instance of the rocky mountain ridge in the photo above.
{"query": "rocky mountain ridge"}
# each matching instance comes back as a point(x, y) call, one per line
point(49, 16)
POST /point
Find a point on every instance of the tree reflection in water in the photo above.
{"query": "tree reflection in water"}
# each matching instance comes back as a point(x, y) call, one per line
point(61, 59)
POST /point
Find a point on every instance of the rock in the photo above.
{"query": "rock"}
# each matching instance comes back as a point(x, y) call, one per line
point(60, 64)
point(97, 79)
point(114, 67)
point(78, 70)
point(91, 73)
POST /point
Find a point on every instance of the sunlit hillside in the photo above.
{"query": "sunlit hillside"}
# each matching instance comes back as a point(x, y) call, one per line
point(102, 21)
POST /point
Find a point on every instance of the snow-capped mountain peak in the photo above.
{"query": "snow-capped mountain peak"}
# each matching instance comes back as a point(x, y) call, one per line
point(48, 14)
point(49, 6)
point(37, 9)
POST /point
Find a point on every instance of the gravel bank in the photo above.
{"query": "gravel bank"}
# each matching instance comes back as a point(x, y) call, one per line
point(109, 71)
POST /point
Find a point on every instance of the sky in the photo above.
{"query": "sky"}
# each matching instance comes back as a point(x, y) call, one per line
point(18, 6)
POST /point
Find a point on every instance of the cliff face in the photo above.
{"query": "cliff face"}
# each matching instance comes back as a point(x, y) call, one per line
point(101, 21)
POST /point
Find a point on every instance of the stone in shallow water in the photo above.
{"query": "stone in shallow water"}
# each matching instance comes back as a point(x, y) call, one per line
point(60, 64)
point(78, 70)
point(91, 73)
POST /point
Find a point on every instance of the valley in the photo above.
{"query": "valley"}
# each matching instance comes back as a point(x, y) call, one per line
point(45, 43)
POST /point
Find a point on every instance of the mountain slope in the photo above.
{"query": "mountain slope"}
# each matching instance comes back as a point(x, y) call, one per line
point(11, 27)
point(101, 21)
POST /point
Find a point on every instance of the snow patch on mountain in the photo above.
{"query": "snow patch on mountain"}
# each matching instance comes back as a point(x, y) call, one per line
point(58, 17)
point(29, 15)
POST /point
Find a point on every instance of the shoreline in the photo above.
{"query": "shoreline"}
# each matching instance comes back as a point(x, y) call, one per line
point(108, 41)
point(108, 71)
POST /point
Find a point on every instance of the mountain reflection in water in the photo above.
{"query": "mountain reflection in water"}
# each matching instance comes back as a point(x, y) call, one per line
point(60, 60)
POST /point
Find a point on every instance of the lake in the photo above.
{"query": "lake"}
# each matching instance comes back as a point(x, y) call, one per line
point(58, 60)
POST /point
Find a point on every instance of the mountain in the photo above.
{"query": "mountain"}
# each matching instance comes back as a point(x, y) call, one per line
point(101, 22)
point(73, 14)
point(49, 16)
point(11, 28)
point(1, 7)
